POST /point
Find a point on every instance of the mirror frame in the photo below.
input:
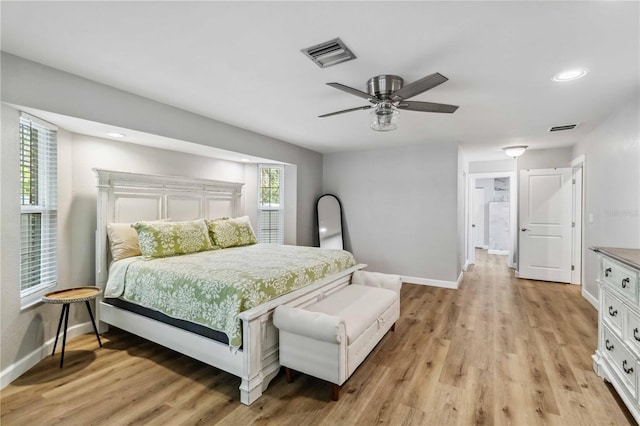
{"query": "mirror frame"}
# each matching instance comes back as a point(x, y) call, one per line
point(341, 219)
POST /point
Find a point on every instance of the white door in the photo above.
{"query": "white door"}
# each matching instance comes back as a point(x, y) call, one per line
point(478, 218)
point(545, 224)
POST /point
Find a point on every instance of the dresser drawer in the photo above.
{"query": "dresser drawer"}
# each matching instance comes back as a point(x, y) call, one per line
point(631, 331)
point(623, 279)
point(623, 363)
point(613, 313)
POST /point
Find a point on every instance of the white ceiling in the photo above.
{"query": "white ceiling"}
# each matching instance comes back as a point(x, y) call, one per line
point(240, 63)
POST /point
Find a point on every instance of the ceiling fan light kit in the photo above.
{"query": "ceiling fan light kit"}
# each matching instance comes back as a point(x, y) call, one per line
point(385, 117)
point(387, 94)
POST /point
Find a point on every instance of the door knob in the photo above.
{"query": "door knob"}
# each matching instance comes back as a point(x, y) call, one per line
point(473, 226)
point(523, 229)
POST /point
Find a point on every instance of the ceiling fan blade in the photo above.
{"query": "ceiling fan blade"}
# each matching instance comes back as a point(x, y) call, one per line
point(346, 110)
point(427, 107)
point(353, 91)
point(419, 86)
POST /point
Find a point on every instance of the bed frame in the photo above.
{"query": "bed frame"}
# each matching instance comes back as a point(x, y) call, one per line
point(130, 197)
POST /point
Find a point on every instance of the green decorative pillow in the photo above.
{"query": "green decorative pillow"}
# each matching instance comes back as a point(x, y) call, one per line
point(234, 232)
point(162, 239)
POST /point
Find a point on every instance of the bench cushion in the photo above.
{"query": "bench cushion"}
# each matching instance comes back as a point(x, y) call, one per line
point(358, 306)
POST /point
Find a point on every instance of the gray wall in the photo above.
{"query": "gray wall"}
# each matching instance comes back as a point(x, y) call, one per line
point(23, 331)
point(28, 84)
point(400, 208)
point(507, 165)
point(544, 159)
point(612, 185)
point(32, 85)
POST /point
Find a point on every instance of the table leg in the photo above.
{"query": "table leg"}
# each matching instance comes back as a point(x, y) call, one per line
point(64, 336)
point(58, 332)
point(95, 329)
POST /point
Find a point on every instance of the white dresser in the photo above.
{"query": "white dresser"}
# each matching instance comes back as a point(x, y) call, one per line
point(617, 358)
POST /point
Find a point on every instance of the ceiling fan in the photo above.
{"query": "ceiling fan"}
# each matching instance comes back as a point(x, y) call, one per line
point(387, 95)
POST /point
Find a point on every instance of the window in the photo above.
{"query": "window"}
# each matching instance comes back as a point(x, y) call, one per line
point(38, 208)
point(271, 204)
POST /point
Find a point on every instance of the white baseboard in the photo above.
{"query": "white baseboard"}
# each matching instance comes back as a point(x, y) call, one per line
point(500, 252)
point(23, 365)
point(431, 282)
point(466, 265)
point(517, 274)
point(590, 298)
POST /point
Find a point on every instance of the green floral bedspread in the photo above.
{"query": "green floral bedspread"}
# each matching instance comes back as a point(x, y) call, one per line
point(211, 288)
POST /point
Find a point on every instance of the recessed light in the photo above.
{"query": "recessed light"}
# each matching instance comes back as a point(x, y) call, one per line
point(569, 75)
point(116, 135)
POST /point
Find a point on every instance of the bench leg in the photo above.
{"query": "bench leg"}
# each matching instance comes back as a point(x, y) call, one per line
point(335, 391)
point(287, 374)
point(393, 327)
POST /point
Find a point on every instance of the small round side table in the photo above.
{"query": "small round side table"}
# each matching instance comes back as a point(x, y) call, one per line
point(66, 297)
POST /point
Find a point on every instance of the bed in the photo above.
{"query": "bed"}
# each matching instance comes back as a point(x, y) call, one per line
point(252, 352)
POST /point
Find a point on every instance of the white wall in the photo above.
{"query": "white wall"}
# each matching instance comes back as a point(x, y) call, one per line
point(400, 208)
point(612, 185)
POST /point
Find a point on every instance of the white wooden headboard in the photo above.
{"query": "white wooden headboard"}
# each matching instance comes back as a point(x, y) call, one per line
point(130, 197)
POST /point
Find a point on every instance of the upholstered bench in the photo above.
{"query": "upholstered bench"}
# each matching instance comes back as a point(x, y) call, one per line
point(330, 338)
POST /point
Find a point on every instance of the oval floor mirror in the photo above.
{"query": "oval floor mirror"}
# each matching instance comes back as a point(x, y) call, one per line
point(329, 212)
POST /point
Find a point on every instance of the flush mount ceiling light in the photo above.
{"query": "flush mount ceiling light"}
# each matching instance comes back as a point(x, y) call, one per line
point(116, 135)
point(515, 151)
point(570, 75)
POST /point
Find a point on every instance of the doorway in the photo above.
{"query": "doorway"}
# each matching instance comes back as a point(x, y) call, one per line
point(492, 214)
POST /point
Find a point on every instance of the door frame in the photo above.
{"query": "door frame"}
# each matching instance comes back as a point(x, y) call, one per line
point(513, 209)
point(475, 194)
point(579, 243)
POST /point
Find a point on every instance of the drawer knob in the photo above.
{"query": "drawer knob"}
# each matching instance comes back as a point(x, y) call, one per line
point(608, 345)
point(613, 312)
point(624, 367)
point(635, 334)
point(625, 282)
point(607, 272)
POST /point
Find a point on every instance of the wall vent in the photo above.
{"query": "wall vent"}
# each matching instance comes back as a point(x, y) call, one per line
point(329, 53)
point(565, 127)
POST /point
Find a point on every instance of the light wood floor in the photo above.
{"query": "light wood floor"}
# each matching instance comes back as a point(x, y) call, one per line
point(498, 350)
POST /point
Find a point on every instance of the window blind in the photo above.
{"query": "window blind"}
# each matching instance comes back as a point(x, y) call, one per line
point(38, 202)
point(271, 204)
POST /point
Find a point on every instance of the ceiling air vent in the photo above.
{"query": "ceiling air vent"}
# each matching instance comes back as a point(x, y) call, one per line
point(329, 53)
point(565, 127)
